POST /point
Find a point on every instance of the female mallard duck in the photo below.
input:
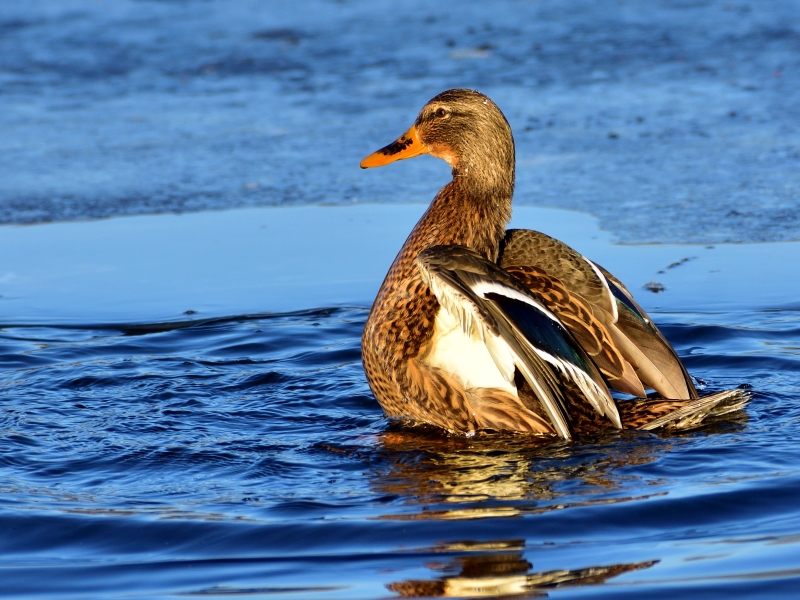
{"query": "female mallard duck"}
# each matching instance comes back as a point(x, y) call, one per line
point(479, 328)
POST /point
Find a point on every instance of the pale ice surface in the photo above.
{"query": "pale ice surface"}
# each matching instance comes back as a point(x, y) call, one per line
point(275, 259)
point(672, 120)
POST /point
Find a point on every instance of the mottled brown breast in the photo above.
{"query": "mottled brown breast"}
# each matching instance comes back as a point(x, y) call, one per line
point(401, 321)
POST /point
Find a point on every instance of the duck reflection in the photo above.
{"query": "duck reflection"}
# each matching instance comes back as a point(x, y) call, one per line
point(443, 478)
point(502, 575)
point(424, 468)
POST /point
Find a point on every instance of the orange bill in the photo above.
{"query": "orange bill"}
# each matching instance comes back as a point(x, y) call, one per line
point(406, 146)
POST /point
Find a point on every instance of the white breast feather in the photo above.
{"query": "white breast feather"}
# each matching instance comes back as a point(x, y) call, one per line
point(469, 358)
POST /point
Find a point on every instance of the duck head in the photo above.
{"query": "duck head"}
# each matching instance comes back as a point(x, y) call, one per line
point(465, 129)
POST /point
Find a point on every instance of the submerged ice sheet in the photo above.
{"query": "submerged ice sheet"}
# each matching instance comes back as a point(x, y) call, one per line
point(258, 260)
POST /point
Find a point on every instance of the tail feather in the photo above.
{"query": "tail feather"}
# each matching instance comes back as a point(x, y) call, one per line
point(680, 414)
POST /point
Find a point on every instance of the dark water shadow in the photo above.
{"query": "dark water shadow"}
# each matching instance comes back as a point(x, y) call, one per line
point(146, 328)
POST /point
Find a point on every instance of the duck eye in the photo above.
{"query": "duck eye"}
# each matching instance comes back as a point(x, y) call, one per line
point(441, 113)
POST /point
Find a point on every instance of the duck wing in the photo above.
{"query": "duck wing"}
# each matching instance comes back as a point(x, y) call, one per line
point(636, 325)
point(519, 332)
point(600, 312)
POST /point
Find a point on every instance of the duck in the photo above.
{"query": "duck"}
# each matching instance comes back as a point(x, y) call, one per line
point(479, 329)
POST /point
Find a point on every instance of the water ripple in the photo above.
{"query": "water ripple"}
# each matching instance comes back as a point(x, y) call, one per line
point(146, 447)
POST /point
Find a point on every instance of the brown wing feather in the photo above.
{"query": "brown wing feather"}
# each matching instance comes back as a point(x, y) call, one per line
point(499, 410)
point(524, 247)
point(646, 357)
point(648, 337)
point(680, 414)
point(441, 400)
point(457, 275)
point(658, 365)
point(589, 331)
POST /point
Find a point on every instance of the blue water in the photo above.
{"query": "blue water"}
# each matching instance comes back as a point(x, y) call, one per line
point(247, 456)
point(194, 447)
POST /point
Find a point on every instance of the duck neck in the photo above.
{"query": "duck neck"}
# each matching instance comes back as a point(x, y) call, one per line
point(471, 211)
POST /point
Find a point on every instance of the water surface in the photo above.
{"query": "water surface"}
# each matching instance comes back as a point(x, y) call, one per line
point(217, 454)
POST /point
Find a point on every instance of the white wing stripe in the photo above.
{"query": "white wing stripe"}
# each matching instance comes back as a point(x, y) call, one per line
point(605, 285)
point(484, 287)
point(587, 385)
